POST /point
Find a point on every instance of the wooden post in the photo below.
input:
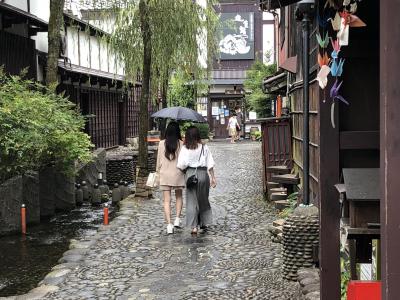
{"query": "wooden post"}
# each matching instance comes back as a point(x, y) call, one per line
point(329, 203)
point(390, 147)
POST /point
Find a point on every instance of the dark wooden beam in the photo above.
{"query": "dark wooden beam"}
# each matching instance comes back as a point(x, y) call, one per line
point(359, 140)
point(390, 147)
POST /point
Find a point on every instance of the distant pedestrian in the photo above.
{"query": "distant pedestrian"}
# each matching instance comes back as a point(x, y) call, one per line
point(239, 118)
point(171, 178)
point(196, 159)
point(233, 127)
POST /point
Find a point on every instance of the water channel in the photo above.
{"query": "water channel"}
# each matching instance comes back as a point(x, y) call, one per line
point(24, 261)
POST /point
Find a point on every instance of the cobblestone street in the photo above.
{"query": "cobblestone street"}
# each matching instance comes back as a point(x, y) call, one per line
point(133, 258)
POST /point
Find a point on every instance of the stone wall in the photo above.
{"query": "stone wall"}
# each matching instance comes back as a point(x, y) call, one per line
point(90, 172)
point(15, 192)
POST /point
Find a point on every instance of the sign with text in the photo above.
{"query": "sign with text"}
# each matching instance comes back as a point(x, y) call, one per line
point(237, 36)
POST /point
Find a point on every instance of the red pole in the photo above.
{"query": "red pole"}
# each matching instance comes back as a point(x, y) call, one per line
point(23, 219)
point(279, 107)
point(105, 214)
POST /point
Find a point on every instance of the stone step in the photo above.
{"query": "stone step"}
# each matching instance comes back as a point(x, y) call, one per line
point(281, 204)
point(278, 169)
point(278, 222)
point(277, 190)
point(272, 185)
point(278, 196)
point(286, 179)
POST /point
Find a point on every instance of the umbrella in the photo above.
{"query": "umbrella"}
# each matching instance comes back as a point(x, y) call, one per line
point(179, 113)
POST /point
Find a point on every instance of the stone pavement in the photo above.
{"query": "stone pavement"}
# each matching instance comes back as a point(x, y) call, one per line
point(133, 258)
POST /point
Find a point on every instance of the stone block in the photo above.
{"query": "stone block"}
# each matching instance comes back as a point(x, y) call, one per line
point(11, 192)
point(64, 192)
point(30, 197)
point(281, 204)
point(47, 192)
point(90, 171)
point(15, 192)
point(278, 222)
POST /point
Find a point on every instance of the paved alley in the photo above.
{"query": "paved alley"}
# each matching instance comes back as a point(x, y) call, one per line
point(133, 258)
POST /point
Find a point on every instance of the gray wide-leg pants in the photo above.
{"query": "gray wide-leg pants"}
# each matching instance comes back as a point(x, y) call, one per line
point(198, 208)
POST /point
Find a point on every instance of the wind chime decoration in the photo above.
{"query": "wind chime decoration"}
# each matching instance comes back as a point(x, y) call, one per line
point(341, 17)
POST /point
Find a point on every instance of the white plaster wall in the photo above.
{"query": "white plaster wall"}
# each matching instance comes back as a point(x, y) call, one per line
point(72, 45)
point(94, 53)
point(111, 62)
point(40, 8)
point(41, 41)
point(21, 4)
point(103, 56)
point(268, 42)
point(84, 49)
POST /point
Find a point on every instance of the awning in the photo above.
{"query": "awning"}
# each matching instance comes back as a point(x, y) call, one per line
point(290, 64)
point(275, 84)
point(267, 5)
point(13, 15)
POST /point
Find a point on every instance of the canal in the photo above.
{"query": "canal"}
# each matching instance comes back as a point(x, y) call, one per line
point(25, 260)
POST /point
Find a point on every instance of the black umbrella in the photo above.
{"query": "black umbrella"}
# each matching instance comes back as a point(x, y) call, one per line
point(179, 113)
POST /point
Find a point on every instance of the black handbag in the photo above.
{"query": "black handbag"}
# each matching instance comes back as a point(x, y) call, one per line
point(192, 180)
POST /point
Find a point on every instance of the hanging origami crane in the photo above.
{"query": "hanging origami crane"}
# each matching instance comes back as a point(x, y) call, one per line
point(322, 76)
point(348, 20)
point(323, 60)
point(353, 7)
point(337, 67)
point(336, 48)
point(336, 22)
point(334, 93)
point(323, 43)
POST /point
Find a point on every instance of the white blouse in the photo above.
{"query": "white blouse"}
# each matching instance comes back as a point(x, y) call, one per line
point(190, 158)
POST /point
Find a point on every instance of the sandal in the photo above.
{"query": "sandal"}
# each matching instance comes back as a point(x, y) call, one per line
point(194, 231)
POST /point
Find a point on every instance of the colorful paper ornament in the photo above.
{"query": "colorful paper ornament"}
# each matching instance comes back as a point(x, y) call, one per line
point(323, 43)
point(336, 21)
point(322, 76)
point(337, 67)
point(323, 60)
point(334, 93)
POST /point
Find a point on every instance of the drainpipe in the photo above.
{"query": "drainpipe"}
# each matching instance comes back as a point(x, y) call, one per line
point(304, 13)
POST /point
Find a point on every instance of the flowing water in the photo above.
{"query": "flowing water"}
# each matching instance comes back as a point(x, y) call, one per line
point(24, 261)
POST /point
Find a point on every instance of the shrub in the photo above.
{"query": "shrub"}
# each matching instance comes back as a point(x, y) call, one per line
point(204, 129)
point(38, 128)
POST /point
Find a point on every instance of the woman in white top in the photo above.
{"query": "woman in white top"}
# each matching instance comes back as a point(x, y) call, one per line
point(232, 127)
point(196, 159)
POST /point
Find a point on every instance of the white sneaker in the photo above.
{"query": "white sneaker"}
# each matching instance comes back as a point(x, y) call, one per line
point(170, 229)
point(177, 222)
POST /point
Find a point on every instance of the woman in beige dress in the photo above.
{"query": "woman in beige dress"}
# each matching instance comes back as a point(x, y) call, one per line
point(171, 178)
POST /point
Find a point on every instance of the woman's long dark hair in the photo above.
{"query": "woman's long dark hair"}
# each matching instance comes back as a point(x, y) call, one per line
point(192, 138)
point(172, 138)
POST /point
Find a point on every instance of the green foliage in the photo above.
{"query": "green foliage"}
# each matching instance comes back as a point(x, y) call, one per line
point(257, 100)
point(38, 128)
point(176, 27)
point(180, 92)
point(344, 275)
point(204, 129)
point(292, 198)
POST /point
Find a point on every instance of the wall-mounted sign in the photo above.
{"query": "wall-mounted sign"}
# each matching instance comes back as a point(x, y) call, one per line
point(215, 110)
point(237, 36)
point(252, 115)
point(226, 112)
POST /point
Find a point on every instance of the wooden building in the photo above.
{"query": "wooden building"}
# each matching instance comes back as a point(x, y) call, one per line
point(343, 137)
point(89, 72)
point(239, 48)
